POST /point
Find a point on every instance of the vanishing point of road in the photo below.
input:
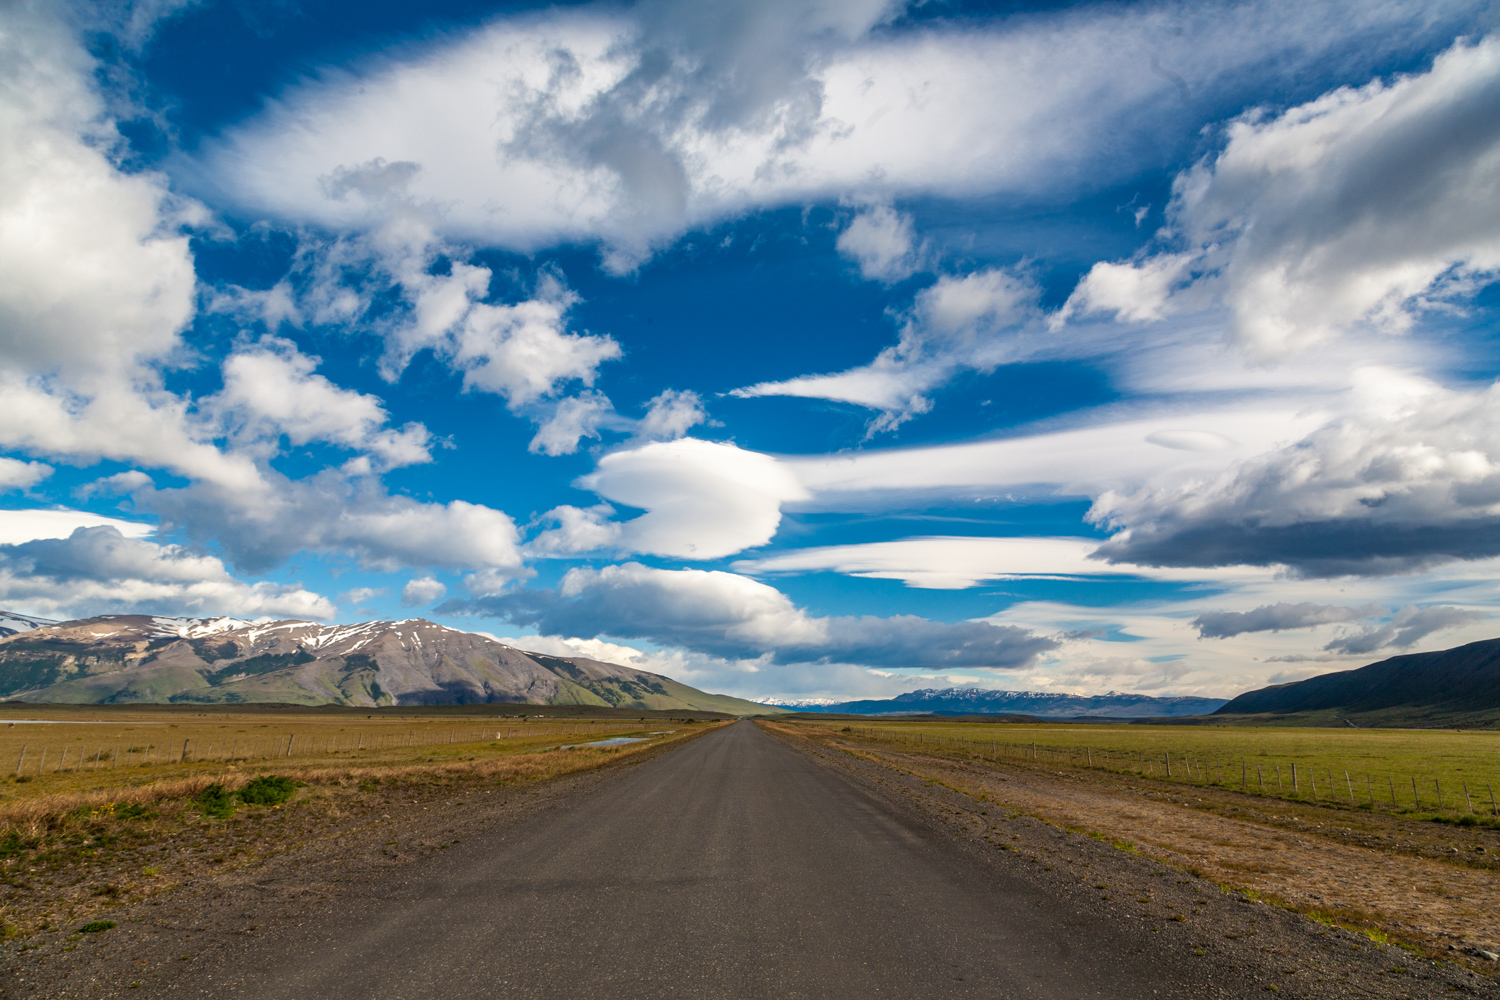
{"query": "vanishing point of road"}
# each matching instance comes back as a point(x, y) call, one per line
point(731, 867)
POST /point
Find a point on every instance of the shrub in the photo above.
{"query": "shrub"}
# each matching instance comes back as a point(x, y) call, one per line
point(95, 926)
point(268, 790)
point(215, 801)
point(134, 810)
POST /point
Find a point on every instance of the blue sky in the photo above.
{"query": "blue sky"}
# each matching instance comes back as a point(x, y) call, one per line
point(816, 349)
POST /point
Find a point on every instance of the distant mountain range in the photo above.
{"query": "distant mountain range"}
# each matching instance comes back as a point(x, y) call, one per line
point(136, 658)
point(1043, 705)
point(1459, 686)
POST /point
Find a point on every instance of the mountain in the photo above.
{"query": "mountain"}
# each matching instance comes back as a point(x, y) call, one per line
point(976, 701)
point(1459, 686)
point(136, 658)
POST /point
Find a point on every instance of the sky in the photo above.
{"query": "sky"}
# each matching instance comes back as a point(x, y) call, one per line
point(796, 349)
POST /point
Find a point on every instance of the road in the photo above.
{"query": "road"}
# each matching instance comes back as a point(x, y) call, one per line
point(735, 867)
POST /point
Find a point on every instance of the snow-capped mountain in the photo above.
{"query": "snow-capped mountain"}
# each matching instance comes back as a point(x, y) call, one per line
point(138, 658)
point(11, 623)
point(1042, 704)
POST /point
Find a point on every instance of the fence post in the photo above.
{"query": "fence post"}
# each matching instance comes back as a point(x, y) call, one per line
point(184, 751)
point(1298, 791)
point(1493, 810)
point(1260, 778)
point(1414, 796)
point(42, 763)
point(1439, 793)
point(22, 760)
point(1468, 801)
point(1244, 777)
point(1279, 788)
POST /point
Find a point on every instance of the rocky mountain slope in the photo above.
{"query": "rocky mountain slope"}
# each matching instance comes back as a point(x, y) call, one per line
point(1459, 686)
point(1043, 705)
point(137, 658)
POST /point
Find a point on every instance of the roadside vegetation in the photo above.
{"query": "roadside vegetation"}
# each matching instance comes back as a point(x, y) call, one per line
point(78, 840)
point(1450, 776)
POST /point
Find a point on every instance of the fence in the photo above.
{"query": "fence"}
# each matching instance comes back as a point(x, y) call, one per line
point(1300, 781)
point(286, 745)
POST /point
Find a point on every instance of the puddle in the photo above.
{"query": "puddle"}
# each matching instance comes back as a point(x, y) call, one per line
point(617, 741)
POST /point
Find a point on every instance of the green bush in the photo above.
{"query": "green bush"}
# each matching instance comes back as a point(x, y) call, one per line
point(215, 801)
point(134, 810)
point(268, 790)
point(95, 926)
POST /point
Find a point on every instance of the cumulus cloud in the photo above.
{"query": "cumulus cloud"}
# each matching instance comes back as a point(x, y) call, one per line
point(1274, 618)
point(98, 569)
point(703, 500)
point(882, 242)
point(572, 420)
point(270, 389)
point(422, 590)
point(670, 414)
point(18, 475)
point(1406, 478)
point(628, 126)
point(330, 513)
point(727, 615)
point(576, 530)
point(1360, 209)
point(1409, 626)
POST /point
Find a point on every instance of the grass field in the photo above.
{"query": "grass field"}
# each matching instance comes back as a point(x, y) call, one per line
point(1444, 773)
point(86, 747)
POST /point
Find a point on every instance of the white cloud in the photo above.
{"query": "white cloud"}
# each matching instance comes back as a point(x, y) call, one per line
point(627, 127)
point(703, 500)
point(1360, 209)
point(1276, 617)
point(957, 562)
point(422, 590)
point(670, 414)
point(97, 569)
point(1113, 450)
point(18, 475)
point(572, 420)
point(1135, 293)
point(882, 242)
point(270, 389)
point(329, 513)
point(360, 595)
point(578, 530)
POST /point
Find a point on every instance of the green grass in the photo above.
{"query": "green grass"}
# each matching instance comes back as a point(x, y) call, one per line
point(1380, 763)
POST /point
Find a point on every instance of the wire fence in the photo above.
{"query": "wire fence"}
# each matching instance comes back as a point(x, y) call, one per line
point(1303, 781)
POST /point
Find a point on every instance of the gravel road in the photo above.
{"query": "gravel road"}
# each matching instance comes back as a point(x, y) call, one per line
point(743, 865)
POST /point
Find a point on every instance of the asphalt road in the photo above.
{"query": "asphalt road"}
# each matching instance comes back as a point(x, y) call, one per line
point(734, 866)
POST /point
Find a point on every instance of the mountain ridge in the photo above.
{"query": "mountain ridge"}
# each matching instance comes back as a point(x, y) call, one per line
point(114, 659)
point(1460, 685)
point(1042, 704)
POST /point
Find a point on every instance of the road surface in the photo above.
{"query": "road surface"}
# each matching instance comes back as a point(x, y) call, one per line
point(734, 866)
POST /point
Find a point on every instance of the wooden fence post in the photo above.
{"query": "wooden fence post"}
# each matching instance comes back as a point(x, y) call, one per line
point(22, 760)
point(1414, 796)
point(1295, 789)
point(1439, 793)
point(1493, 810)
point(1260, 778)
point(1468, 801)
point(1244, 777)
point(184, 751)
